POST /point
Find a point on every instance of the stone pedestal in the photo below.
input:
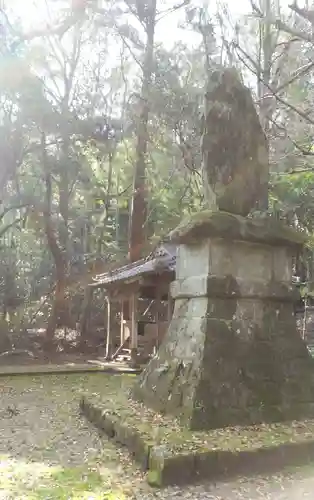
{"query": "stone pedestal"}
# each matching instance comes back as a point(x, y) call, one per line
point(232, 354)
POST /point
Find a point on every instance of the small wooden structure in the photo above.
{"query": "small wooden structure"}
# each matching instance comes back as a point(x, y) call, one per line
point(145, 307)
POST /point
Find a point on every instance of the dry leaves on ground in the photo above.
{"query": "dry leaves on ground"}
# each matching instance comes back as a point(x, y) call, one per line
point(50, 452)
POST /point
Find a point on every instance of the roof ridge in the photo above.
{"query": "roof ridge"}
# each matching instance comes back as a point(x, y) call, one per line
point(125, 267)
point(163, 256)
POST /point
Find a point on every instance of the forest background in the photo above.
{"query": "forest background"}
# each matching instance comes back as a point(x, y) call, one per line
point(100, 113)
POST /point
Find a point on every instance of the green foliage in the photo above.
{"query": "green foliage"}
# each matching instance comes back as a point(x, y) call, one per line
point(67, 86)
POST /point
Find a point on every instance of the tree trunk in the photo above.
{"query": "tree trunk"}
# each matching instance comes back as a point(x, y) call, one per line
point(107, 204)
point(64, 194)
point(266, 77)
point(59, 306)
point(139, 200)
point(85, 316)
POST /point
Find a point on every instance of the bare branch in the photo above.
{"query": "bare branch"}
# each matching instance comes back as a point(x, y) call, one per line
point(163, 14)
point(124, 40)
point(58, 30)
point(13, 207)
point(299, 112)
point(127, 45)
point(305, 152)
point(5, 228)
point(280, 25)
point(292, 31)
point(305, 13)
point(256, 9)
point(295, 171)
point(300, 72)
point(135, 13)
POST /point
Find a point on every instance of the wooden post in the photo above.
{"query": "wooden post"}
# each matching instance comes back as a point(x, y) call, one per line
point(107, 353)
point(134, 332)
point(170, 307)
point(126, 308)
point(158, 307)
point(121, 323)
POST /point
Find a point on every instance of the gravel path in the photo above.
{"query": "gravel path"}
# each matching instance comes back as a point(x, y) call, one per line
point(295, 487)
point(41, 424)
point(46, 446)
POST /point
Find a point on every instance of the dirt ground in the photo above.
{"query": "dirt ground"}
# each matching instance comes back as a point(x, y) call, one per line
point(48, 451)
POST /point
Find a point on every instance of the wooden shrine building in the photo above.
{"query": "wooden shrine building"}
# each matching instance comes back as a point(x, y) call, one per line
point(138, 298)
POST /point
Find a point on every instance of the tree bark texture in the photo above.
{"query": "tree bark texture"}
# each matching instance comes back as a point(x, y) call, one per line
point(60, 310)
point(139, 200)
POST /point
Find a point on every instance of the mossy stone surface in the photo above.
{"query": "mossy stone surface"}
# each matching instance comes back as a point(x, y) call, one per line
point(230, 226)
point(215, 372)
point(154, 478)
point(158, 429)
point(232, 354)
point(165, 448)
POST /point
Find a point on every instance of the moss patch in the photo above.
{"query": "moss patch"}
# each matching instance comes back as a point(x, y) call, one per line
point(161, 429)
point(206, 224)
point(55, 483)
point(163, 446)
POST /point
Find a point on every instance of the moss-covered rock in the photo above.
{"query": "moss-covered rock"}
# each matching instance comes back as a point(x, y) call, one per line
point(206, 224)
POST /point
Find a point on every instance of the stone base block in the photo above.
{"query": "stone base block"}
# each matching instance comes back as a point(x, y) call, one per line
point(163, 449)
point(232, 354)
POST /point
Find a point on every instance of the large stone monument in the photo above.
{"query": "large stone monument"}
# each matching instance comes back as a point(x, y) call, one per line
point(234, 147)
point(232, 354)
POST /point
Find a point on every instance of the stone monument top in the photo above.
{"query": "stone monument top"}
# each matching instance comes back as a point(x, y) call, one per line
point(235, 162)
point(219, 224)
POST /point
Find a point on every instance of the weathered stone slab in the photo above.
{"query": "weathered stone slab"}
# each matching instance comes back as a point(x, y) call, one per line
point(172, 455)
point(228, 226)
point(231, 288)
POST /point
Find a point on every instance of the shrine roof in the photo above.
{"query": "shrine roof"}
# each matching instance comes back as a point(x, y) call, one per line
point(162, 259)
